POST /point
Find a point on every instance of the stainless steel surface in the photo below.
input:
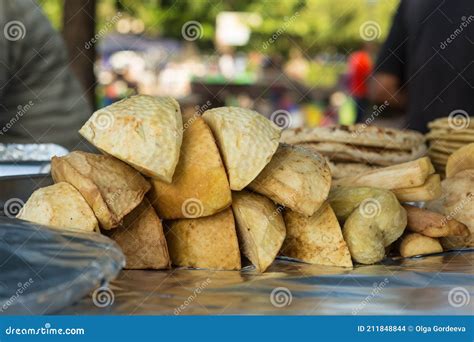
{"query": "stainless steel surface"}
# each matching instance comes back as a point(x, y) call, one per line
point(433, 285)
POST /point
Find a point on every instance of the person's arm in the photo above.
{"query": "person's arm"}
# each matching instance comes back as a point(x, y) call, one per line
point(389, 72)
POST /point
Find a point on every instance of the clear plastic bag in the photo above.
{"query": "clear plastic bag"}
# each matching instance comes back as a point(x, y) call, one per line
point(43, 270)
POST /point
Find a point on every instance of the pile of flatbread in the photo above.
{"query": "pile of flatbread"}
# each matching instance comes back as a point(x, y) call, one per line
point(447, 135)
point(193, 190)
point(358, 148)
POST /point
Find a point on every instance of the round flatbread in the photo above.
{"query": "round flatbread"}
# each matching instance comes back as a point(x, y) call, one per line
point(360, 135)
point(447, 144)
point(446, 123)
point(459, 137)
point(362, 154)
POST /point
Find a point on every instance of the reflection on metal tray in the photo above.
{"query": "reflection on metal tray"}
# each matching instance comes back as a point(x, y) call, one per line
point(435, 285)
point(24, 159)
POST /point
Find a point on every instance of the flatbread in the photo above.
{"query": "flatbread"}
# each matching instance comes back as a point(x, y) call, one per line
point(200, 186)
point(363, 154)
point(59, 206)
point(438, 156)
point(111, 188)
point(457, 200)
point(343, 169)
point(142, 239)
point(260, 228)
point(454, 131)
point(459, 137)
point(143, 131)
point(360, 134)
point(447, 143)
point(317, 239)
point(246, 140)
point(205, 242)
point(441, 149)
point(296, 178)
point(446, 123)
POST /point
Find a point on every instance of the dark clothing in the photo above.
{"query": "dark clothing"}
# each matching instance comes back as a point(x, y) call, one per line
point(40, 100)
point(362, 105)
point(430, 47)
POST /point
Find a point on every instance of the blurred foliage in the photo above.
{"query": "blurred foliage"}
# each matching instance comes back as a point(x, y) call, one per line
point(311, 25)
point(324, 75)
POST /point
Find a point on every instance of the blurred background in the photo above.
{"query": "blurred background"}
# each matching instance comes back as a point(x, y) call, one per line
point(295, 56)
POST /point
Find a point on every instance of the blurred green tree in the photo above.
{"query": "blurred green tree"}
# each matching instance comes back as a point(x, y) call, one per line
point(311, 25)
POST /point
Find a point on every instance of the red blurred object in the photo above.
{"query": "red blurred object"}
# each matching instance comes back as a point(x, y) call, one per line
point(360, 67)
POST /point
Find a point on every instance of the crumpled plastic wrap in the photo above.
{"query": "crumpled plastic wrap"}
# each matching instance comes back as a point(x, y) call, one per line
point(43, 270)
point(28, 159)
point(440, 284)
